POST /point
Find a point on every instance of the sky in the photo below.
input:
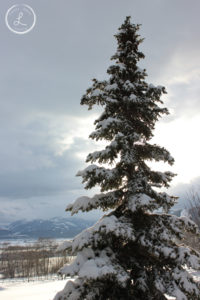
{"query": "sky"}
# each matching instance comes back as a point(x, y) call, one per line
point(44, 129)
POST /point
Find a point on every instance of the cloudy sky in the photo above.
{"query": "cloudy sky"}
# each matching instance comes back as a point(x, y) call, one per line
point(43, 74)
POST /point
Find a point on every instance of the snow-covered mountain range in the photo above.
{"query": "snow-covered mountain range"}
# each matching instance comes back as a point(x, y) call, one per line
point(52, 228)
point(58, 227)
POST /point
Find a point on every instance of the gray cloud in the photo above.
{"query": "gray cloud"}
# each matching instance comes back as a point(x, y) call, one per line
point(44, 73)
point(40, 171)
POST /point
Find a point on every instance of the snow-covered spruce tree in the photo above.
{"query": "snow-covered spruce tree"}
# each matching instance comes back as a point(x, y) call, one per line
point(132, 252)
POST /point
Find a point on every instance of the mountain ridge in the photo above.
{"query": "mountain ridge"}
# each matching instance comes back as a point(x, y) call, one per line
point(57, 227)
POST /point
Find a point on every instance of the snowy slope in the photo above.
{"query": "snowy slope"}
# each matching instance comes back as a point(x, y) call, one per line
point(39, 290)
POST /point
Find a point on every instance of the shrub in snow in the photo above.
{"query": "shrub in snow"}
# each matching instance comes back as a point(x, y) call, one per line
point(132, 252)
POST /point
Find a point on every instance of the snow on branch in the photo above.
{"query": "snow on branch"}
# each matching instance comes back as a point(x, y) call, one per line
point(103, 200)
point(72, 290)
point(141, 200)
point(120, 228)
point(108, 179)
point(90, 264)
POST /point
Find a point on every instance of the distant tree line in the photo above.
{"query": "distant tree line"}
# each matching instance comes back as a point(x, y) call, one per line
point(193, 212)
point(35, 260)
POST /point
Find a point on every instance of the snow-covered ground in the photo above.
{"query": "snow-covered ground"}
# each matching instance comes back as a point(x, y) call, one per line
point(40, 289)
point(33, 290)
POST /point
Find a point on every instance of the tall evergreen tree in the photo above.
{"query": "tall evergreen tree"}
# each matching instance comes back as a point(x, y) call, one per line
point(131, 252)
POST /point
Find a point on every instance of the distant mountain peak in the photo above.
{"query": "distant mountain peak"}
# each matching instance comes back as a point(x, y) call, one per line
point(57, 227)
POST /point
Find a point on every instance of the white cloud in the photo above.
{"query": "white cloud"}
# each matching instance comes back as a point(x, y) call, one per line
point(180, 137)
